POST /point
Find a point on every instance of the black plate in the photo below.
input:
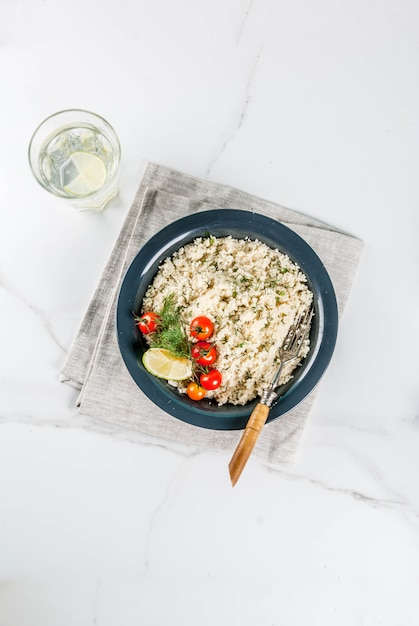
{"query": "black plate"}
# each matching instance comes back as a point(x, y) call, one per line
point(239, 224)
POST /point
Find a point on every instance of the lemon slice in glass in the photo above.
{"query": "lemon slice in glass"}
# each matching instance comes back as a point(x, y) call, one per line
point(164, 364)
point(85, 173)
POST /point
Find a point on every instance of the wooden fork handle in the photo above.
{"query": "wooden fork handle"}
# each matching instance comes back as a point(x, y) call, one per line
point(247, 441)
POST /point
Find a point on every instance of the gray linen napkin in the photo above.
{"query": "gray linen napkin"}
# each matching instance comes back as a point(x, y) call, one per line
point(94, 364)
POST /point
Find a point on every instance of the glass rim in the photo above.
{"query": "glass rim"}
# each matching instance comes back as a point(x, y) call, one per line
point(63, 111)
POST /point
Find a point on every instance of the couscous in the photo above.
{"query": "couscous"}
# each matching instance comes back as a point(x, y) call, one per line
point(251, 292)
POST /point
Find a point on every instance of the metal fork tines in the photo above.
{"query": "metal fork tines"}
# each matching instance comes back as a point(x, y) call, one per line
point(290, 350)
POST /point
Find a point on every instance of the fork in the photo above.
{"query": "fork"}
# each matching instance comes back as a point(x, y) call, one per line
point(289, 351)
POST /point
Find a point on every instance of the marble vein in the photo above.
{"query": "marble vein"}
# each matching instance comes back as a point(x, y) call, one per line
point(159, 508)
point(240, 119)
point(244, 21)
point(398, 504)
point(102, 428)
point(18, 295)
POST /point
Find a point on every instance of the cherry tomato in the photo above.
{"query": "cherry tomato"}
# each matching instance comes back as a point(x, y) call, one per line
point(210, 380)
point(204, 353)
point(148, 322)
point(195, 392)
point(201, 327)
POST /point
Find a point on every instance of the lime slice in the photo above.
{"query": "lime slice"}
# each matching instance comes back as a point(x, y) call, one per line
point(85, 173)
point(164, 364)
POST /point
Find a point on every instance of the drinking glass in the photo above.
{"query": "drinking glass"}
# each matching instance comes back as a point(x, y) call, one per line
point(75, 155)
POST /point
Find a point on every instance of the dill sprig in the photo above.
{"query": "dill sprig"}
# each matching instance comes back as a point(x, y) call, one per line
point(171, 334)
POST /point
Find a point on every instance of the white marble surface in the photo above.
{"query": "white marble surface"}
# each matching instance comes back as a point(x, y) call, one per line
point(314, 105)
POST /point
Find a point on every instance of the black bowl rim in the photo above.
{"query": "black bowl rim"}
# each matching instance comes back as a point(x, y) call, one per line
point(239, 224)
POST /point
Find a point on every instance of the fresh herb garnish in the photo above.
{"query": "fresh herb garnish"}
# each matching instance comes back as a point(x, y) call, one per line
point(170, 334)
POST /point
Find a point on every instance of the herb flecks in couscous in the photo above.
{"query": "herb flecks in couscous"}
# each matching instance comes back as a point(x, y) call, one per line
point(251, 291)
